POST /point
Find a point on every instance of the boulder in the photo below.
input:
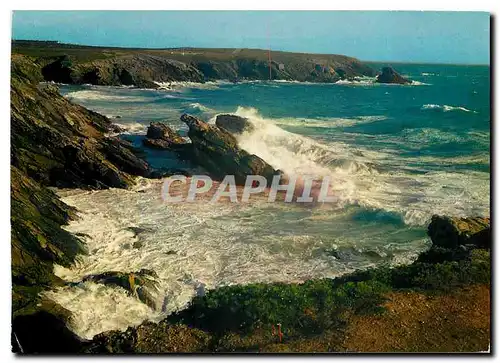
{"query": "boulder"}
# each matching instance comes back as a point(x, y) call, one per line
point(160, 136)
point(234, 124)
point(389, 75)
point(452, 232)
point(141, 284)
point(218, 152)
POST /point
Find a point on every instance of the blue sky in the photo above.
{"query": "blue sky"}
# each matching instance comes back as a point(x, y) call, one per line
point(437, 37)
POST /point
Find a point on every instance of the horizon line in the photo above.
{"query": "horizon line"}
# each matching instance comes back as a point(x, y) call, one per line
point(263, 49)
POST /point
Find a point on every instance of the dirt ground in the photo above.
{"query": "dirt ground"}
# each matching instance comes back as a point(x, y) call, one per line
point(456, 322)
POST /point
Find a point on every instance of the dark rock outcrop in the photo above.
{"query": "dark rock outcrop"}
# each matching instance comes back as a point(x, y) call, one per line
point(44, 330)
point(141, 70)
point(389, 75)
point(218, 152)
point(53, 143)
point(63, 144)
point(234, 124)
point(160, 136)
point(455, 239)
point(141, 284)
point(451, 232)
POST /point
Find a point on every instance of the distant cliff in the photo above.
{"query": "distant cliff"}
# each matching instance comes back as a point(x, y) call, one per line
point(76, 64)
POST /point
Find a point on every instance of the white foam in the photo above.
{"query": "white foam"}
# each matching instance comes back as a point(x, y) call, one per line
point(175, 85)
point(97, 95)
point(328, 122)
point(446, 108)
point(132, 128)
point(357, 177)
point(214, 244)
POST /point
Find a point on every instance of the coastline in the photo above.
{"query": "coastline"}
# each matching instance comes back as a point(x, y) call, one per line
point(312, 308)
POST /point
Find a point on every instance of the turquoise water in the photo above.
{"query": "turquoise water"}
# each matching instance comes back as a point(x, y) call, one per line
point(406, 150)
point(395, 154)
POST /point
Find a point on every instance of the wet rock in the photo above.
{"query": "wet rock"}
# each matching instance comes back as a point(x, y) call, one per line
point(389, 75)
point(116, 128)
point(124, 156)
point(160, 136)
point(158, 130)
point(44, 331)
point(218, 152)
point(234, 124)
point(141, 284)
point(451, 232)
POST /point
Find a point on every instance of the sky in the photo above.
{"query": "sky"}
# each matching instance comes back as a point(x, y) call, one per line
point(426, 37)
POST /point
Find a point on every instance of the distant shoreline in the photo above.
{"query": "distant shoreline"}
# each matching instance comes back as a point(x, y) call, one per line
point(192, 48)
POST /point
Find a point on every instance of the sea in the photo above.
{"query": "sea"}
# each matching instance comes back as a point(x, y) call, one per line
point(396, 155)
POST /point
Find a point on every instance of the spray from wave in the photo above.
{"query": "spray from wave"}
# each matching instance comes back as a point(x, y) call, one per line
point(361, 178)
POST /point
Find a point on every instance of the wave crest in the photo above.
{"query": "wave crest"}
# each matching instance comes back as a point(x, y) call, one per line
point(446, 108)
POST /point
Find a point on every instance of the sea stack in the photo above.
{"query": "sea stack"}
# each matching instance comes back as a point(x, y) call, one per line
point(389, 75)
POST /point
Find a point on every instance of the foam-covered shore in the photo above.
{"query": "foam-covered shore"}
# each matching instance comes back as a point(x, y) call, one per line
point(240, 245)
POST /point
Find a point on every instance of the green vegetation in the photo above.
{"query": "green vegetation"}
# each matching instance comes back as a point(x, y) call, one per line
point(320, 305)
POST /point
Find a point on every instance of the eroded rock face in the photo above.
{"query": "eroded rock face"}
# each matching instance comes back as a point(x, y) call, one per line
point(234, 124)
point(160, 136)
point(389, 75)
point(452, 232)
point(53, 143)
point(218, 152)
point(59, 143)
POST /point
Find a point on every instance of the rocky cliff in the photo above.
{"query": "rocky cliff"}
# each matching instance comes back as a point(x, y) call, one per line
point(53, 143)
point(75, 64)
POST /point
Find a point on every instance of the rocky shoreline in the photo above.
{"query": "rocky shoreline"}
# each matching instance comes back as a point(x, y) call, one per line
point(55, 143)
point(150, 68)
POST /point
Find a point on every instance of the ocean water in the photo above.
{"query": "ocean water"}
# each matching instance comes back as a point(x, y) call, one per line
point(396, 155)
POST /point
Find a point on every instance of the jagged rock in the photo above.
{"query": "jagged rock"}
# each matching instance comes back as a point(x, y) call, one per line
point(44, 331)
point(124, 156)
point(389, 75)
point(452, 232)
point(234, 124)
point(218, 152)
point(116, 128)
point(160, 136)
point(141, 284)
point(141, 70)
point(59, 143)
point(158, 130)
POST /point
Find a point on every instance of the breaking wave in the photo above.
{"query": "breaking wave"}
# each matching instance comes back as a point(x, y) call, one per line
point(132, 128)
point(96, 95)
point(197, 246)
point(362, 178)
point(446, 108)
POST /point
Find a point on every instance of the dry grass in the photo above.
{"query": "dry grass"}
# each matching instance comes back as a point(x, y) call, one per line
point(415, 322)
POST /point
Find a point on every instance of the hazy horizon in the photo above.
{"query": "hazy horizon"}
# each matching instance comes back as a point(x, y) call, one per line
point(371, 36)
